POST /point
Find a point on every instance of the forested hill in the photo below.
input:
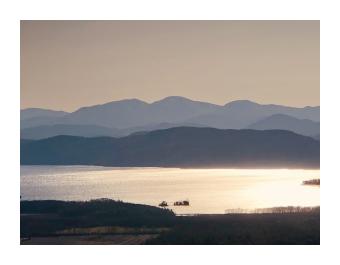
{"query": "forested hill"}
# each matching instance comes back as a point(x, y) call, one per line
point(179, 147)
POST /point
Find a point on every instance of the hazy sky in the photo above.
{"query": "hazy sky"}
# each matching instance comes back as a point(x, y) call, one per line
point(69, 64)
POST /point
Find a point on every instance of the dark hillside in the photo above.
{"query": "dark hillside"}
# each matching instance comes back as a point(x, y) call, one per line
point(179, 147)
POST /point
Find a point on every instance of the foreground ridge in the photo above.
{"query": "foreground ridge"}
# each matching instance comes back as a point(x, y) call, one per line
point(179, 147)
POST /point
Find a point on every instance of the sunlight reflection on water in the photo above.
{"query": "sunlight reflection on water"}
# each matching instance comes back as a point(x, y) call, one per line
point(208, 190)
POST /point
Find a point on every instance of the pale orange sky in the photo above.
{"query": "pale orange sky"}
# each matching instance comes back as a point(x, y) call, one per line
point(69, 64)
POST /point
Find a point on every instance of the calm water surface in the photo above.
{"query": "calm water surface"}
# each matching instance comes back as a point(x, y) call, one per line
point(209, 190)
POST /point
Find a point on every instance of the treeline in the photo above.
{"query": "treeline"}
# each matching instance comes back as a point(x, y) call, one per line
point(276, 210)
point(47, 217)
point(242, 229)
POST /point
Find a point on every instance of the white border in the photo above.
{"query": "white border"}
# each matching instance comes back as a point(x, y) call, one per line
point(13, 11)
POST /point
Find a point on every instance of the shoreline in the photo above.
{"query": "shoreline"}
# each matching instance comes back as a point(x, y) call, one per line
point(165, 167)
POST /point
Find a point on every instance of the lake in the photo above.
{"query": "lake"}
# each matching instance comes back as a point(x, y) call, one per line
point(208, 190)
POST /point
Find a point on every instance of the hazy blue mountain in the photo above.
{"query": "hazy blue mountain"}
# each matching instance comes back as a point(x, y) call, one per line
point(34, 117)
point(38, 121)
point(156, 126)
point(285, 122)
point(46, 131)
point(240, 114)
point(37, 112)
point(116, 114)
point(133, 113)
point(180, 109)
point(179, 147)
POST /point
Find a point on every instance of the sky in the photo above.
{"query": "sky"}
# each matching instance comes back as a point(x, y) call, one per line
point(69, 64)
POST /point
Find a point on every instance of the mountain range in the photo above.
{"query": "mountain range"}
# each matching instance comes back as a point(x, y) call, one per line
point(179, 147)
point(124, 117)
point(285, 122)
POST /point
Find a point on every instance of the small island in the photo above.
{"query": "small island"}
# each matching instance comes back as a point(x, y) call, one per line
point(315, 182)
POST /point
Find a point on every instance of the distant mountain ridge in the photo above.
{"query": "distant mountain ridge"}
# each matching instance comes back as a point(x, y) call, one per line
point(240, 114)
point(32, 117)
point(38, 112)
point(133, 115)
point(179, 147)
point(282, 122)
point(47, 131)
